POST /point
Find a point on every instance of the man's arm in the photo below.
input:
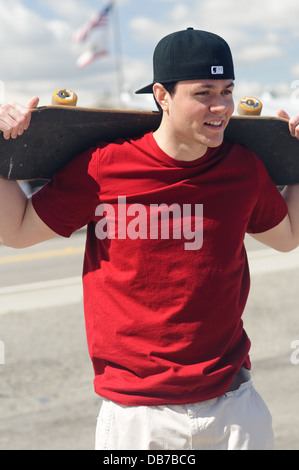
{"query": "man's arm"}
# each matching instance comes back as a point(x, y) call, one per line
point(20, 226)
point(285, 236)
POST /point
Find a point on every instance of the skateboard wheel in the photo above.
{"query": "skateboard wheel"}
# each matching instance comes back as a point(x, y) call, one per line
point(249, 106)
point(64, 97)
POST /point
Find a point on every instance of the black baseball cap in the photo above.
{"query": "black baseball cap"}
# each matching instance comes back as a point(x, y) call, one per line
point(191, 55)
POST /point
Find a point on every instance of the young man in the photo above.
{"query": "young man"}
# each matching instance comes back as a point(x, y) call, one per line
point(165, 274)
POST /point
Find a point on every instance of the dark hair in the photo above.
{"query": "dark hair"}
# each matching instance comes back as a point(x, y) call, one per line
point(170, 88)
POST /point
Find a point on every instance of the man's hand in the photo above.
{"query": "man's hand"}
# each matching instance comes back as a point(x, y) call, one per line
point(293, 122)
point(15, 118)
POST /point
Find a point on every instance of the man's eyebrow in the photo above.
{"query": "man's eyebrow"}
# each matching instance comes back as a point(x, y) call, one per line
point(207, 85)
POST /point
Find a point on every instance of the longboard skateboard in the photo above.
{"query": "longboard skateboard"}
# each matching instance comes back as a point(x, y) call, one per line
point(59, 133)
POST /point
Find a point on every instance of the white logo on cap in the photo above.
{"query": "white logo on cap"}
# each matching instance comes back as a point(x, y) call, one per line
point(217, 70)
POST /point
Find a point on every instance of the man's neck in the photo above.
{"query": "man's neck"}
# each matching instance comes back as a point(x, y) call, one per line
point(178, 149)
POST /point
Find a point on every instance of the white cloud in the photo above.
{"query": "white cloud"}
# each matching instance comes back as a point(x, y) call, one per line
point(20, 26)
point(257, 53)
point(180, 13)
point(32, 44)
point(265, 15)
point(73, 12)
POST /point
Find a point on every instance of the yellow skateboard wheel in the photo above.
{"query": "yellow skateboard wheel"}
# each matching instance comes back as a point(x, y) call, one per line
point(64, 97)
point(249, 106)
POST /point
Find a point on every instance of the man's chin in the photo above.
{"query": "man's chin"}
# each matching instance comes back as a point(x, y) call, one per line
point(216, 142)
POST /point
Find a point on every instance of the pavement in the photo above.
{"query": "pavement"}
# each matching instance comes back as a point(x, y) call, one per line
point(47, 400)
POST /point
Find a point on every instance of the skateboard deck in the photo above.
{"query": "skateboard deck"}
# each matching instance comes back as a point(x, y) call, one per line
point(59, 133)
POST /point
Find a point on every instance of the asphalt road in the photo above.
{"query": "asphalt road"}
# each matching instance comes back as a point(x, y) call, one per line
point(46, 384)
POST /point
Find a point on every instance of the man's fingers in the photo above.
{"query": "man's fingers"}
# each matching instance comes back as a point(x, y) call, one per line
point(10, 121)
point(283, 114)
point(294, 126)
point(33, 103)
point(15, 119)
point(293, 122)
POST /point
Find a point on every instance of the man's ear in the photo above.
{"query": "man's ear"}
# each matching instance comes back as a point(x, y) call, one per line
point(162, 96)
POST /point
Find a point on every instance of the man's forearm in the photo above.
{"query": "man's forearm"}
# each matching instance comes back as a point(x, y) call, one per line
point(13, 203)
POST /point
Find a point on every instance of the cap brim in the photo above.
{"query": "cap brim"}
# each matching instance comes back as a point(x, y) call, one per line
point(147, 89)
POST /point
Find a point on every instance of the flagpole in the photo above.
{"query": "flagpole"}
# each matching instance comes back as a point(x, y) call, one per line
point(118, 53)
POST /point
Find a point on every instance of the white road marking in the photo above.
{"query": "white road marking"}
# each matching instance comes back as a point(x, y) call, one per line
point(268, 261)
point(40, 295)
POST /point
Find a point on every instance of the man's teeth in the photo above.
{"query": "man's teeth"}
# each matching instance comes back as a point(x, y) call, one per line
point(214, 123)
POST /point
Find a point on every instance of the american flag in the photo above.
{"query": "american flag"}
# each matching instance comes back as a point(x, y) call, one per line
point(98, 20)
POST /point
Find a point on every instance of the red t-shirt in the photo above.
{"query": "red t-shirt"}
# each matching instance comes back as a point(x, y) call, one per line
point(163, 312)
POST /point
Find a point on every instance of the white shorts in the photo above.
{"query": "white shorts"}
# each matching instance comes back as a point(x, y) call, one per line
point(239, 420)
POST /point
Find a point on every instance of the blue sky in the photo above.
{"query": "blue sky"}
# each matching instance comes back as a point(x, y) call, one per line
point(37, 55)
